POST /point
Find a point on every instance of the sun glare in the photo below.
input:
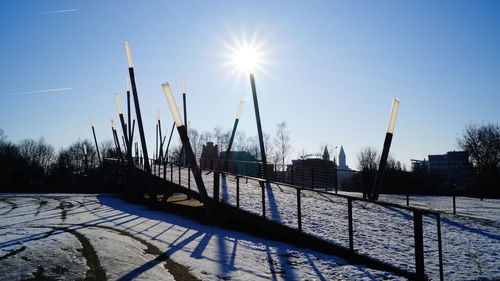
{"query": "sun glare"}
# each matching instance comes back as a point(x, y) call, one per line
point(244, 57)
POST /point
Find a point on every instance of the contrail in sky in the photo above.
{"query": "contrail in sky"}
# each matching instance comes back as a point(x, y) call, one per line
point(37, 92)
point(58, 11)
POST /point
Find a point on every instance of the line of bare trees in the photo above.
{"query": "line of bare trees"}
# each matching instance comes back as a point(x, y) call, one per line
point(277, 145)
point(32, 161)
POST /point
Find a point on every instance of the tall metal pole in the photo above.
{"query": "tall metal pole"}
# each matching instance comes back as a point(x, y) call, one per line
point(182, 130)
point(233, 132)
point(115, 137)
point(169, 139)
point(122, 119)
point(160, 153)
point(117, 143)
point(259, 127)
point(156, 143)
point(385, 152)
point(147, 168)
point(96, 145)
point(185, 110)
point(129, 113)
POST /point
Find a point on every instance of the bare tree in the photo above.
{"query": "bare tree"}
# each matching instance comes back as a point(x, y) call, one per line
point(108, 150)
point(240, 142)
point(37, 152)
point(221, 137)
point(392, 163)
point(195, 139)
point(367, 159)
point(72, 159)
point(282, 141)
point(483, 145)
point(3, 137)
point(482, 142)
point(269, 147)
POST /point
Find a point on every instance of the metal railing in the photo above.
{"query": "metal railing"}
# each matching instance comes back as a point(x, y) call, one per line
point(287, 178)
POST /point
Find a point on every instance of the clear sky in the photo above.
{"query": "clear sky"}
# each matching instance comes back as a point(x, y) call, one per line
point(334, 67)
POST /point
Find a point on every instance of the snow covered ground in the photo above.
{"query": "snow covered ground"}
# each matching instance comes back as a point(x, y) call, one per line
point(101, 237)
point(471, 239)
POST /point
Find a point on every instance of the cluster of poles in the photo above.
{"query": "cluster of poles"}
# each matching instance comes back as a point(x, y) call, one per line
point(187, 155)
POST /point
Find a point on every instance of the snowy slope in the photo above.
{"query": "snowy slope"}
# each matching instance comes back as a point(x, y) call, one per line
point(471, 239)
point(70, 237)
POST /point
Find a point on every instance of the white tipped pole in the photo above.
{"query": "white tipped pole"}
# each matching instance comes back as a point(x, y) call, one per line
point(173, 106)
point(113, 124)
point(91, 122)
point(127, 82)
point(84, 149)
point(118, 104)
point(183, 85)
point(157, 115)
point(129, 56)
point(240, 108)
point(394, 115)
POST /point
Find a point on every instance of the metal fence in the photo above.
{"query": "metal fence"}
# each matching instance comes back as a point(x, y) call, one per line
point(304, 192)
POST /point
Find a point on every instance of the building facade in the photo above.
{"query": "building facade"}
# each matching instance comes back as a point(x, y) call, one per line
point(451, 168)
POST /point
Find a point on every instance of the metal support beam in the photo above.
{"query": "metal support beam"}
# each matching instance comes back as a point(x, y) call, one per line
point(97, 147)
point(381, 167)
point(147, 168)
point(169, 139)
point(259, 126)
point(193, 164)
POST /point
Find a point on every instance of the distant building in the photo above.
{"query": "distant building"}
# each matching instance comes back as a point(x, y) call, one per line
point(314, 173)
point(209, 156)
point(242, 163)
point(344, 173)
point(453, 167)
point(420, 166)
point(326, 155)
point(342, 160)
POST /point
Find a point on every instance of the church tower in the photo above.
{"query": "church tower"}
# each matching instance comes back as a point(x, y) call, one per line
point(326, 155)
point(342, 164)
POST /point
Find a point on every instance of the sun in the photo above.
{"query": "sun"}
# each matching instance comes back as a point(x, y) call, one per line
point(244, 56)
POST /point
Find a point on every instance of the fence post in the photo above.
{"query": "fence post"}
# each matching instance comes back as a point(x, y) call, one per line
point(419, 245)
point(454, 202)
point(407, 199)
point(164, 170)
point(237, 192)
point(172, 172)
point(299, 210)
point(292, 174)
point(189, 180)
point(440, 246)
point(349, 216)
point(312, 178)
point(180, 174)
point(216, 186)
point(263, 186)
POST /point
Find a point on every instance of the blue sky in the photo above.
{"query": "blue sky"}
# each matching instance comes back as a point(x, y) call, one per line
point(334, 68)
